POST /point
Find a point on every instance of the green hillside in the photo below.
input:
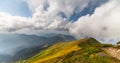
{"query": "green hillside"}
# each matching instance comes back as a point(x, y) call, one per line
point(86, 50)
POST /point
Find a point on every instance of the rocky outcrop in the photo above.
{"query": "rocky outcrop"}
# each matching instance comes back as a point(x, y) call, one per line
point(114, 52)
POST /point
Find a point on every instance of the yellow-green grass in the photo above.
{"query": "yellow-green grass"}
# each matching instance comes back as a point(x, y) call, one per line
point(58, 50)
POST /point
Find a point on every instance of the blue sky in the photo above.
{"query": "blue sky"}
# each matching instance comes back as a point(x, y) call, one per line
point(15, 7)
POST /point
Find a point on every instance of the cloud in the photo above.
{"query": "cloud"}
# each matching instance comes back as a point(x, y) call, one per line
point(104, 23)
point(47, 15)
point(55, 16)
point(11, 23)
point(53, 7)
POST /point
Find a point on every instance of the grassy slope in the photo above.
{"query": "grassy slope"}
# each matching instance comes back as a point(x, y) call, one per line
point(57, 50)
point(86, 50)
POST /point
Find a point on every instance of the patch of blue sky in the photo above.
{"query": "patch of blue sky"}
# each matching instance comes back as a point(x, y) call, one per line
point(15, 7)
point(88, 10)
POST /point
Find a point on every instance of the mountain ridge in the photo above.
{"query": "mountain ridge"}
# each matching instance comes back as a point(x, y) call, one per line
point(86, 50)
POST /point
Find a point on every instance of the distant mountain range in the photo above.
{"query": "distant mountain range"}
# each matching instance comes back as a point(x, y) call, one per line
point(29, 45)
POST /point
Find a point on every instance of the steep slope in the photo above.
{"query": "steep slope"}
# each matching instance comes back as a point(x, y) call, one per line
point(91, 52)
point(57, 50)
point(69, 52)
point(86, 50)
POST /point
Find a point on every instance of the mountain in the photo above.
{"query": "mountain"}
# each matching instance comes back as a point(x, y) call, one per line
point(25, 46)
point(32, 40)
point(87, 50)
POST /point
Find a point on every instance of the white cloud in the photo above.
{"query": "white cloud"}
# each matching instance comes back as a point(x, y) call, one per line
point(12, 23)
point(50, 9)
point(46, 15)
point(104, 23)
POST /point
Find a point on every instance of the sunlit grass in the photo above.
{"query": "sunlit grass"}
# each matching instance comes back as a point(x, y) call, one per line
point(57, 50)
point(86, 50)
